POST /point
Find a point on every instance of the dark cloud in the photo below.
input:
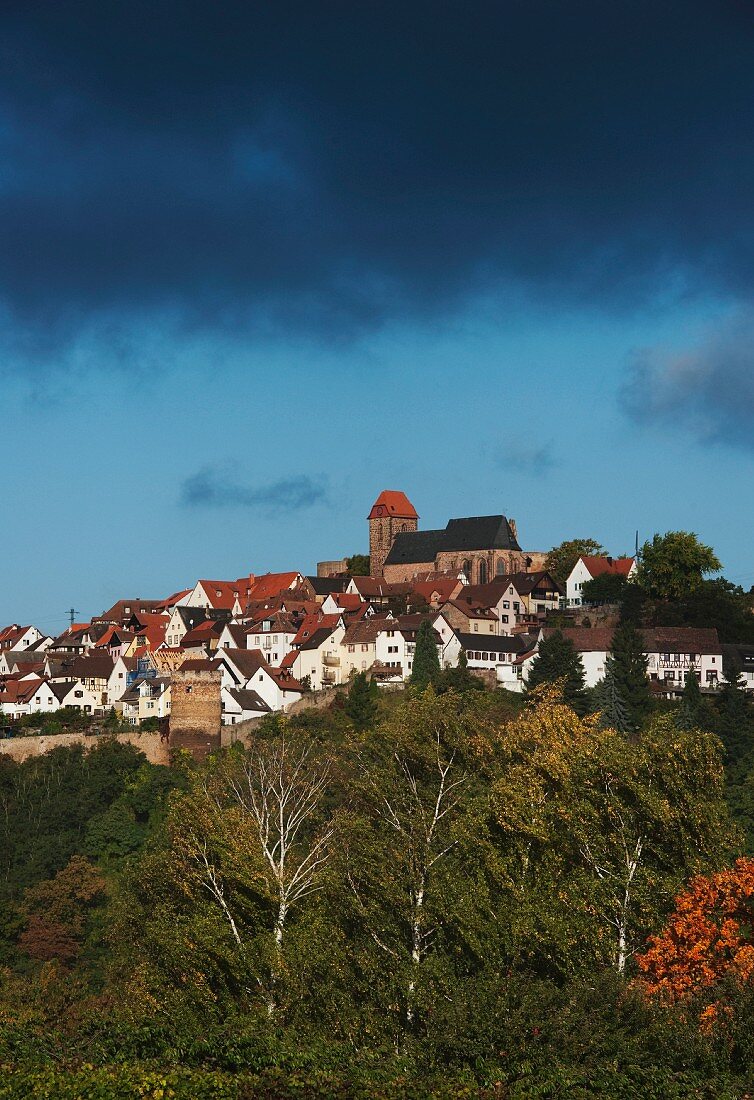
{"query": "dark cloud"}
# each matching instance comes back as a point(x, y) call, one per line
point(526, 458)
point(707, 389)
point(212, 488)
point(326, 167)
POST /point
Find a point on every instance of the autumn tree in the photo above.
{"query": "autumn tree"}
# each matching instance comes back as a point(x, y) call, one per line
point(609, 827)
point(57, 911)
point(707, 938)
point(562, 558)
point(673, 565)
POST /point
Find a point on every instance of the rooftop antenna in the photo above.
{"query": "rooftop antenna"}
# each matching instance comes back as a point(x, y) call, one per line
point(72, 616)
point(637, 543)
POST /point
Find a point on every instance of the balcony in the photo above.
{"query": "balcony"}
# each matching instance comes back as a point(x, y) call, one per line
point(328, 676)
point(331, 660)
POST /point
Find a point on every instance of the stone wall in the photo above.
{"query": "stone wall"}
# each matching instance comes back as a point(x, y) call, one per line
point(155, 748)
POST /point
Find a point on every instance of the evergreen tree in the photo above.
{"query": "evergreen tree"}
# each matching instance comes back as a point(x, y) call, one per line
point(630, 672)
point(558, 662)
point(614, 713)
point(361, 704)
point(426, 666)
point(736, 719)
point(689, 714)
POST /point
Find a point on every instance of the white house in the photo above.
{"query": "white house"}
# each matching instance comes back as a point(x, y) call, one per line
point(593, 646)
point(316, 652)
point(240, 704)
point(27, 695)
point(671, 652)
point(147, 698)
point(589, 567)
point(247, 668)
point(502, 653)
point(274, 635)
point(396, 642)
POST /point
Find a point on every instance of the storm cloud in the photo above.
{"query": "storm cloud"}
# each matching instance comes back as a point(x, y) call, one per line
point(707, 389)
point(327, 168)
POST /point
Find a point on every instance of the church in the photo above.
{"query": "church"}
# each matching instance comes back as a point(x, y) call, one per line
point(481, 547)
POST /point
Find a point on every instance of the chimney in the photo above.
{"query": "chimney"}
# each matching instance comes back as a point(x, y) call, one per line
point(609, 561)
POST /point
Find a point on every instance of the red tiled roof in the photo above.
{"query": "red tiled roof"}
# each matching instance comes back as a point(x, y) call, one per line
point(173, 599)
point(19, 691)
point(443, 586)
point(599, 565)
point(272, 584)
point(346, 600)
point(221, 594)
point(312, 623)
point(392, 502)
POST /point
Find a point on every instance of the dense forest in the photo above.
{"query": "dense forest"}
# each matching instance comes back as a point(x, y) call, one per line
point(447, 891)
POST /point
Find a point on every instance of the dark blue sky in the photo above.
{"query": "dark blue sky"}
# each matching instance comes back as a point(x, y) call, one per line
point(258, 262)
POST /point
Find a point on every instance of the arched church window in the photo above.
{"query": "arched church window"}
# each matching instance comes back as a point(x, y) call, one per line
point(482, 572)
point(500, 567)
point(467, 569)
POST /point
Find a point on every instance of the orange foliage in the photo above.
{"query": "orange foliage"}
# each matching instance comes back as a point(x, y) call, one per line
point(708, 937)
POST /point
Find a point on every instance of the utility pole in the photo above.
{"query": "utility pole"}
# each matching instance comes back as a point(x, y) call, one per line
point(72, 616)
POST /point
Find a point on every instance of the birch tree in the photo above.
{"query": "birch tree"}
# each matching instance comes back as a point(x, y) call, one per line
point(406, 859)
point(258, 846)
point(598, 832)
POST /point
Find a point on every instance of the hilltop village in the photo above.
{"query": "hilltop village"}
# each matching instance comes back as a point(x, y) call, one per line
point(222, 652)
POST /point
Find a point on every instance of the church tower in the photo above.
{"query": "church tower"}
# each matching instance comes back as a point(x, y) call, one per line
point(392, 512)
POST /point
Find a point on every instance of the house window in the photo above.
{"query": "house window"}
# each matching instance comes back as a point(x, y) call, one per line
point(506, 605)
point(352, 649)
point(476, 626)
point(503, 618)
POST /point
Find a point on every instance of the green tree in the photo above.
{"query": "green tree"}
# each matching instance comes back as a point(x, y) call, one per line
point(689, 713)
point(714, 604)
point(735, 715)
point(361, 704)
point(604, 588)
point(426, 664)
point(629, 670)
point(561, 559)
point(598, 831)
point(410, 858)
point(674, 565)
point(614, 714)
point(557, 662)
point(459, 678)
point(358, 565)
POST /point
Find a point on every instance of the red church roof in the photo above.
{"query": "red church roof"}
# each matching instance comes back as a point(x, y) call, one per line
point(392, 502)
